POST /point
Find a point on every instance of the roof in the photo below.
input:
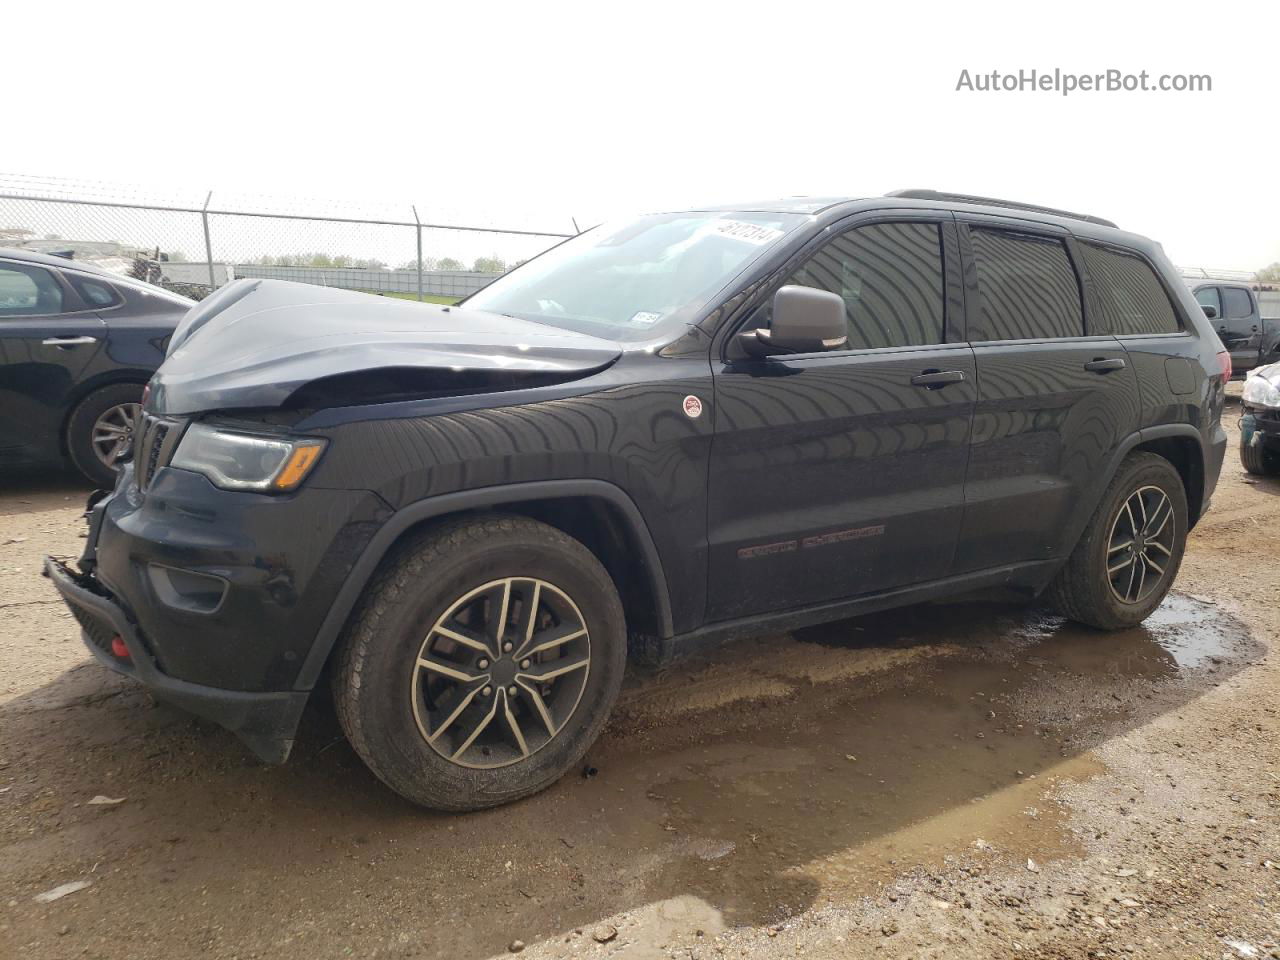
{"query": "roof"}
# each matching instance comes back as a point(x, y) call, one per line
point(809, 205)
point(921, 198)
point(61, 263)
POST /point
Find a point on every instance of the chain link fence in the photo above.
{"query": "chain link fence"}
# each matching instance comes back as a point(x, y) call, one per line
point(195, 244)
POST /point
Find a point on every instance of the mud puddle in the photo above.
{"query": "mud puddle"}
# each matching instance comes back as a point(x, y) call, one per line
point(846, 784)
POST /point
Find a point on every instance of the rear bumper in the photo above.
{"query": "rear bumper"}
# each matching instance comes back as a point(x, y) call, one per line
point(266, 722)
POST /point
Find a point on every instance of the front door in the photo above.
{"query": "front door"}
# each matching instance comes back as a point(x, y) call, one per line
point(43, 351)
point(840, 474)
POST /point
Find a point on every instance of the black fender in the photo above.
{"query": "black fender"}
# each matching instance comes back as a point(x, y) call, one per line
point(482, 498)
point(1087, 505)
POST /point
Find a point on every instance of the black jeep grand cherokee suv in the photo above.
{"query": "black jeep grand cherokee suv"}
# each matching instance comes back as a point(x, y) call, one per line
point(691, 425)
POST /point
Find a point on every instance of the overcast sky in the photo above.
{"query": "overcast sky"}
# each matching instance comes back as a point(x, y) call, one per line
point(526, 114)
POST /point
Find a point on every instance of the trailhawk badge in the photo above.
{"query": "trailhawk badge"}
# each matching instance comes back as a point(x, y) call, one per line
point(692, 407)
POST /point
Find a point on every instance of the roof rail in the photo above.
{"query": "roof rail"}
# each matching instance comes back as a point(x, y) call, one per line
point(992, 202)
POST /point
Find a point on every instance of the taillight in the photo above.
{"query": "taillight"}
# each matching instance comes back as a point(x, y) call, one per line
point(1224, 365)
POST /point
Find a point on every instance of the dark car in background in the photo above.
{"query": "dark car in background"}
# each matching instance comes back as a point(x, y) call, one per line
point(688, 427)
point(1235, 310)
point(77, 346)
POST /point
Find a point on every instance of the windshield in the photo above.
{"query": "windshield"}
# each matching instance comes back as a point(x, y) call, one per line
point(627, 281)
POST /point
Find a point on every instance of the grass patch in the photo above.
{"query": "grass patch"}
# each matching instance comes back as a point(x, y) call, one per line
point(426, 297)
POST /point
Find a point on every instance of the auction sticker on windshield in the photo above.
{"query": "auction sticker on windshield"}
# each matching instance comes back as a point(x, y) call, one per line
point(755, 233)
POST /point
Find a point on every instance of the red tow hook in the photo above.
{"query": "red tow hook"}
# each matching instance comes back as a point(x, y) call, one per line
point(118, 649)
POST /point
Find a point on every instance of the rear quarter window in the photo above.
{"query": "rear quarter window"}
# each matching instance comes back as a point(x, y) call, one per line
point(1130, 296)
point(96, 293)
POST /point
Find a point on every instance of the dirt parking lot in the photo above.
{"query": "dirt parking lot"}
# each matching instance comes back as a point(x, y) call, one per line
point(960, 780)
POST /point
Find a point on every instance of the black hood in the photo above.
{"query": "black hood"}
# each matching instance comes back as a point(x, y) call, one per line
point(271, 343)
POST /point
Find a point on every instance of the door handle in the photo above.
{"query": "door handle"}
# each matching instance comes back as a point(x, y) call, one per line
point(1104, 365)
point(68, 341)
point(937, 379)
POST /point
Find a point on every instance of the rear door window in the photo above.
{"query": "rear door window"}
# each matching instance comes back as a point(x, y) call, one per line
point(1130, 296)
point(1027, 287)
point(1236, 303)
point(28, 291)
point(890, 278)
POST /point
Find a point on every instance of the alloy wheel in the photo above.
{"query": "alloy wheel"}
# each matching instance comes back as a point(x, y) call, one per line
point(501, 672)
point(1140, 548)
point(113, 432)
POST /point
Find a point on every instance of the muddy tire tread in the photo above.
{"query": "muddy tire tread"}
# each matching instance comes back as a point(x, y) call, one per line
point(400, 576)
point(1075, 592)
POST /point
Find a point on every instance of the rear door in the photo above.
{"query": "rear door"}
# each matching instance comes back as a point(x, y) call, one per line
point(1054, 399)
point(841, 473)
point(48, 336)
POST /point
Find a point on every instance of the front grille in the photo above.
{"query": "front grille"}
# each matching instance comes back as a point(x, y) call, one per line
point(155, 438)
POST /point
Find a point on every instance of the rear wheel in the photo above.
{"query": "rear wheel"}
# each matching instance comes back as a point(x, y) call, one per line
point(1129, 554)
point(482, 663)
point(100, 430)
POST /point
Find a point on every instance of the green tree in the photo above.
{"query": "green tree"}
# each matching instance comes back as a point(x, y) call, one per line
point(493, 264)
point(1271, 273)
point(448, 263)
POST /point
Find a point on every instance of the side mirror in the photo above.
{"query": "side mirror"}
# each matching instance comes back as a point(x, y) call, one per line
point(805, 320)
point(1209, 311)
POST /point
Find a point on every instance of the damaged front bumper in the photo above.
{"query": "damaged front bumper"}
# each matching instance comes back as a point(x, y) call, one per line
point(1260, 426)
point(265, 720)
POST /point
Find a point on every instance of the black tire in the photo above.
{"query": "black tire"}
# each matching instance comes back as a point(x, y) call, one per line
point(81, 424)
point(1083, 589)
point(376, 676)
point(1258, 459)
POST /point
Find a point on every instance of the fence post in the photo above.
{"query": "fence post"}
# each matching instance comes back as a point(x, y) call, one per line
point(208, 247)
point(418, 230)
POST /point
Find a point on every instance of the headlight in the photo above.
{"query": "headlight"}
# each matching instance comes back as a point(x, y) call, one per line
point(1261, 392)
point(240, 461)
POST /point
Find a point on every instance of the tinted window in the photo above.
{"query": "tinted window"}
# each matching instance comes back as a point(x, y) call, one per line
point(1236, 303)
point(1129, 294)
point(96, 293)
point(1208, 296)
point(1027, 289)
point(28, 291)
point(890, 278)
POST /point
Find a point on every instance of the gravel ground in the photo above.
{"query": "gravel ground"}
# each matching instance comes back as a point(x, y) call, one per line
point(958, 780)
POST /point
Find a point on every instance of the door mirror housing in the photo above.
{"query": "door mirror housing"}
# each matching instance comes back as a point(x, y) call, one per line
point(805, 320)
point(1209, 311)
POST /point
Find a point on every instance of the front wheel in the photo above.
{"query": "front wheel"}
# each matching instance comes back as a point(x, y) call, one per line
point(483, 662)
point(1257, 458)
point(1129, 554)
